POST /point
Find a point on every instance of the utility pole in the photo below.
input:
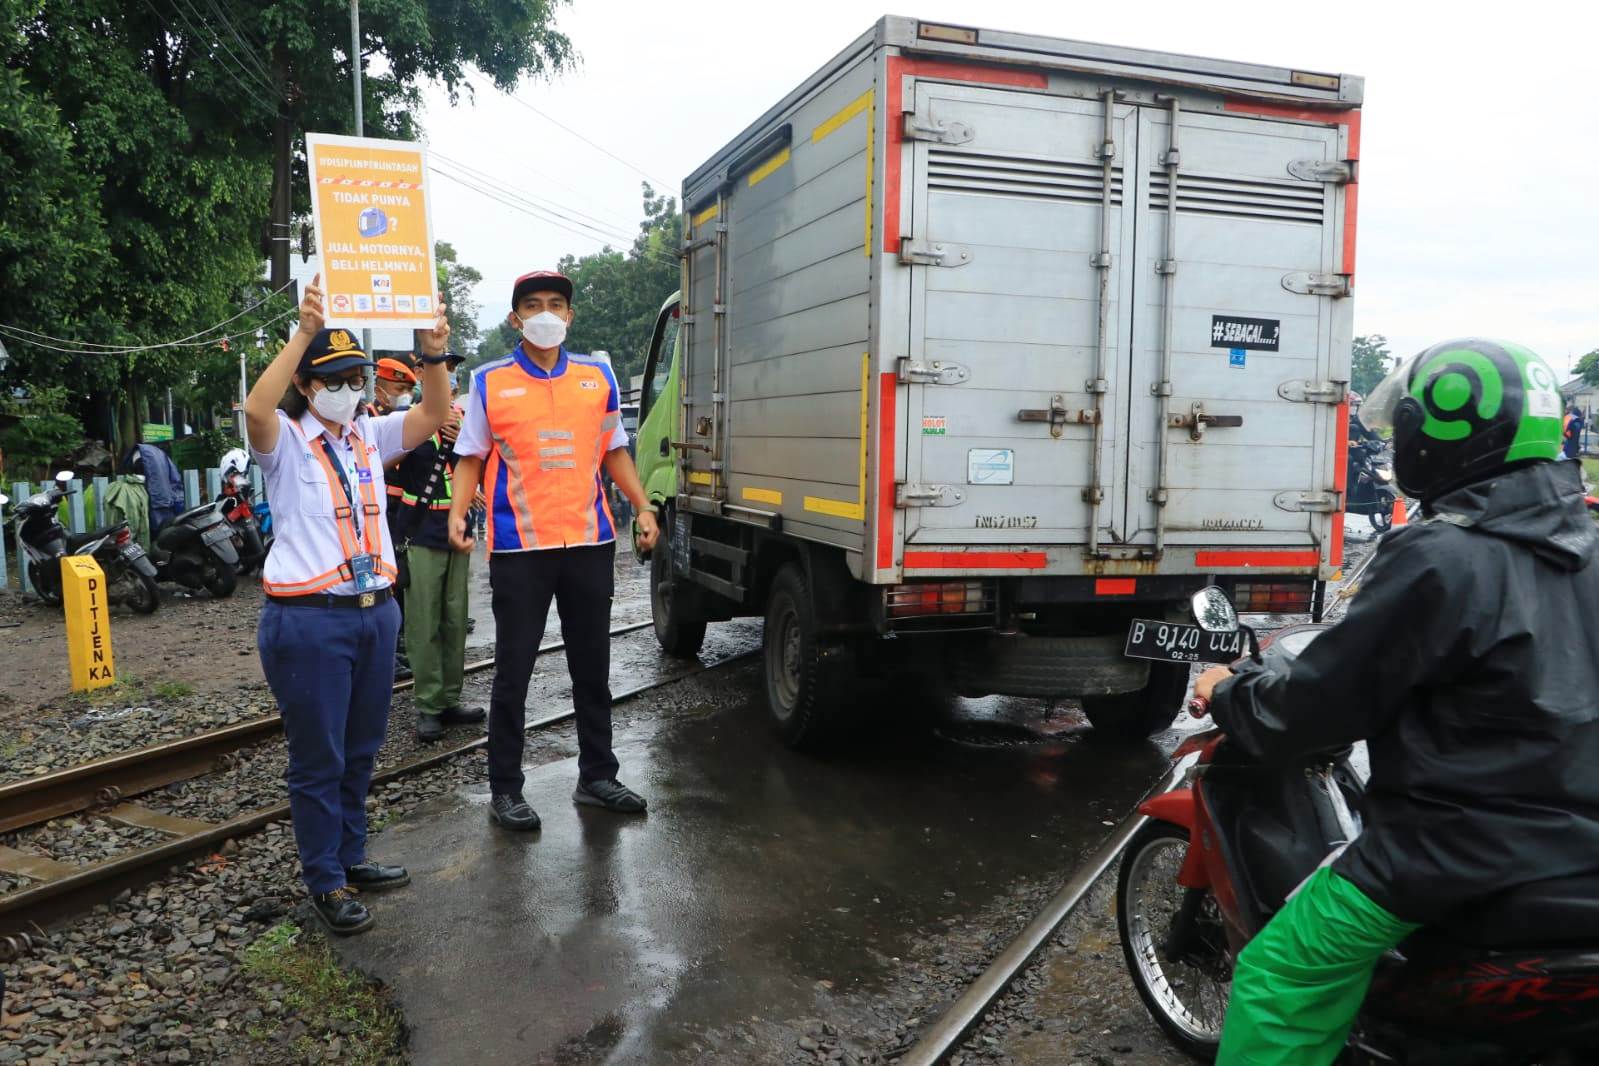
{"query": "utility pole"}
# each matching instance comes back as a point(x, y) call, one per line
point(282, 174)
point(360, 131)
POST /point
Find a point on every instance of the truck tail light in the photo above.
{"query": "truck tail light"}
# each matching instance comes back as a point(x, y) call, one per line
point(926, 598)
point(1267, 597)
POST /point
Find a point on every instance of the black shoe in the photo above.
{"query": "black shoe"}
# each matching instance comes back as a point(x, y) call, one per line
point(375, 877)
point(612, 795)
point(510, 811)
point(429, 727)
point(402, 670)
point(461, 715)
point(341, 912)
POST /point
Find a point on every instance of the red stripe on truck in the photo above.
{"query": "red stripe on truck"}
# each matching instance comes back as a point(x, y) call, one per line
point(1116, 586)
point(894, 117)
point(976, 560)
point(887, 386)
point(1224, 560)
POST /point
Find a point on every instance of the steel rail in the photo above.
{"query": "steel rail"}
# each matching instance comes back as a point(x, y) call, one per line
point(105, 782)
point(31, 908)
point(944, 1036)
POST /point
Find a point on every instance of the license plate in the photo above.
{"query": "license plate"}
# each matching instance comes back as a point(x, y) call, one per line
point(217, 535)
point(133, 551)
point(1181, 642)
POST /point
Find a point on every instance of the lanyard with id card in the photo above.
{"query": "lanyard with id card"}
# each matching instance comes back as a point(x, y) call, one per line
point(363, 565)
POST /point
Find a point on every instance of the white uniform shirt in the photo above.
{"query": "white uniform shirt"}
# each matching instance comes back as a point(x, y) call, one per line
point(306, 534)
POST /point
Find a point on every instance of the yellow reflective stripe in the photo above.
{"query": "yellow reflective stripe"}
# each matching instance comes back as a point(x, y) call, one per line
point(851, 109)
point(771, 496)
point(838, 508)
point(706, 215)
point(698, 478)
point(768, 168)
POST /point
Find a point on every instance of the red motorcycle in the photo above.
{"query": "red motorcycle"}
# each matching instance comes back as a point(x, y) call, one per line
point(1515, 980)
point(252, 539)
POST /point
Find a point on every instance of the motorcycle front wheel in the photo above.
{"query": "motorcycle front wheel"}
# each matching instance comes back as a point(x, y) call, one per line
point(1173, 939)
point(218, 578)
point(143, 596)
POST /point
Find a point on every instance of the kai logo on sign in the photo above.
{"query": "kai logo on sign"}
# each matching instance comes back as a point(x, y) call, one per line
point(83, 595)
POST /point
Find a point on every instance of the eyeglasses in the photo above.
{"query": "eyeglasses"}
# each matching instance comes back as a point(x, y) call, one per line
point(358, 383)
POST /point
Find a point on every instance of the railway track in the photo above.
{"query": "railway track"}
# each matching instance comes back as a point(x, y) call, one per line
point(106, 789)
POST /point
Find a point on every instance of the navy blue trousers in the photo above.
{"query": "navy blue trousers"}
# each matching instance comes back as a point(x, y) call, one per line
point(331, 670)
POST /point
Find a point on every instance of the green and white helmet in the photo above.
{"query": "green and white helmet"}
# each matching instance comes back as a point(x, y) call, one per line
point(1464, 410)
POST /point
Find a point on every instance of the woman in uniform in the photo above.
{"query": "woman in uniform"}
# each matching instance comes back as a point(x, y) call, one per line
point(328, 626)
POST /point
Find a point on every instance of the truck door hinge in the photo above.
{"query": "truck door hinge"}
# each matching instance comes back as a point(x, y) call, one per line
point(914, 251)
point(937, 372)
point(1328, 392)
point(1058, 416)
point(927, 496)
point(1325, 171)
point(1308, 283)
point(1196, 421)
point(918, 128)
point(1317, 502)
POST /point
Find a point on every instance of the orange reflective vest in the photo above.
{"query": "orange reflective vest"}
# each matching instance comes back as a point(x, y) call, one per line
point(549, 432)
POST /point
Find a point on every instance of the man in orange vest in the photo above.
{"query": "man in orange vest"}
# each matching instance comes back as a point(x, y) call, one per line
point(540, 425)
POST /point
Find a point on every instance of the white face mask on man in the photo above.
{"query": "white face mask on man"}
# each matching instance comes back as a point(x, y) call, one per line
point(336, 406)
point(544, 330)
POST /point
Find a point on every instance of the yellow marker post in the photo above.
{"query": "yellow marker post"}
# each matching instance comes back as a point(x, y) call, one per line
point(88, 623)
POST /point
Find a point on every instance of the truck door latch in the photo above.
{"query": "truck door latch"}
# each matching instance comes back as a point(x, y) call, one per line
point(936, 372)
point(1196, 422)
point(920, 129)
point(914, 251)
point(928, 496)
point(1058, 416)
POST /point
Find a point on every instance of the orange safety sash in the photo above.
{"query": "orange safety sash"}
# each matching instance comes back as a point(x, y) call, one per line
point(370, 538)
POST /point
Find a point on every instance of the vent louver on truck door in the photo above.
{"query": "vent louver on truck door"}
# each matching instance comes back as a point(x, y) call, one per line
point(1034, 179)
point(1278, 201)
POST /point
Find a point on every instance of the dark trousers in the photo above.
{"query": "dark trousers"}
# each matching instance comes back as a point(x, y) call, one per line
point(331, 670)
point(581, 581)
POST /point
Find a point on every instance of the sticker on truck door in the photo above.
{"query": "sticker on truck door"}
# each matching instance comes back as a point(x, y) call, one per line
point(990, 466)
point(1259, 334)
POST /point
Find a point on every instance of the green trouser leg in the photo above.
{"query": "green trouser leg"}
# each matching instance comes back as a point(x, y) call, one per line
point(1298, 985)
point(435, 625)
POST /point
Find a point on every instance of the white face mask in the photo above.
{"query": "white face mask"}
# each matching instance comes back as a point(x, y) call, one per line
point(336, 406)
point(544, 330)
point(402, 402)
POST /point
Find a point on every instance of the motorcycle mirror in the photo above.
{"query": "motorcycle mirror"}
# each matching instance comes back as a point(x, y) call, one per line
point(63, 476)
point(1213, 611)
point(4, 499)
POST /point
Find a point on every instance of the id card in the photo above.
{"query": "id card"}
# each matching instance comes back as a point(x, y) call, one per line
point(363, 568)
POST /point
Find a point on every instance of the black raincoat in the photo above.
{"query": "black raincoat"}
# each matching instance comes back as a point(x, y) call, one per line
point(1469, 662)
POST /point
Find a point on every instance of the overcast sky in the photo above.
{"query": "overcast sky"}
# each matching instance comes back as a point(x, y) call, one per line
point(1479, 210)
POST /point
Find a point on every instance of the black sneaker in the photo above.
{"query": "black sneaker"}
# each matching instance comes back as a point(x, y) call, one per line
point(429, 727)
point(402, 669)
point(341, 912)
point(461, 715)
point(375, 877)
point(612, 795)
point(510, 811)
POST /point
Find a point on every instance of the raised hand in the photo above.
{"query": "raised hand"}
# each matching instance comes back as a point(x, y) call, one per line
point(433, 340)
point(311, 306)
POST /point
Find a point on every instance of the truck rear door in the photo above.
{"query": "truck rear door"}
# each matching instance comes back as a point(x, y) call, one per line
point(1006, 230)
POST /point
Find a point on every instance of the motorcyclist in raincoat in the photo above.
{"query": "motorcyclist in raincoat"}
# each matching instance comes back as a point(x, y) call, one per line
point(1469, 662)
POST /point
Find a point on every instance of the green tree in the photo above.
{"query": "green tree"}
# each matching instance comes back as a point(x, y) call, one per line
point(1370, 362)
point(43, 432)
point(494, 345)
point(1587, 368)
point(136, 151)
point(617, 295)
point(456, 282)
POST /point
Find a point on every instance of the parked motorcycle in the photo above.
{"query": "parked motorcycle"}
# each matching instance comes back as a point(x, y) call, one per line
point(196, 550)
point(239, 507)
point(1369, 486)
point(129, 573)
point(1515, 980)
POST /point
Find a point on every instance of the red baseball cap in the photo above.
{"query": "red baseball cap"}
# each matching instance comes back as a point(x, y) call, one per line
point(541, 281)
point(394, 370)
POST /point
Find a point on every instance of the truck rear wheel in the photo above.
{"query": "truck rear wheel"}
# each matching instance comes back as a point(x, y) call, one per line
point(798, 665)
point(679, 634)
point(1136, 715)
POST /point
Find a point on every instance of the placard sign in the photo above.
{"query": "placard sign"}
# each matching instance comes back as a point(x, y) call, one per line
point(373, 233)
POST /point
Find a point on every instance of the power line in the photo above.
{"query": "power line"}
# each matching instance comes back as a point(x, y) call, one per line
point(127, 349)
point(250, 83)
point(490, 179)
point(248, 45)
point(257, 74)
point(210, 340)
point(558, 210)
point(662, 185)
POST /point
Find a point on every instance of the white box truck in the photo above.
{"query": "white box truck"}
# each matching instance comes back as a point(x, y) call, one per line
point(988, 346)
